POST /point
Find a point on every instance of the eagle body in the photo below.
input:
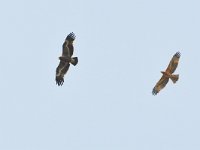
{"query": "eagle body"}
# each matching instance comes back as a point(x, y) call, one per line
point(168, 74)
point(66, 59)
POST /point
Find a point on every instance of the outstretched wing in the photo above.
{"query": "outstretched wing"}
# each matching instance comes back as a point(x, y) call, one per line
point(173, 63)
point(160, 85)
point(61, 70)
point(68, 47)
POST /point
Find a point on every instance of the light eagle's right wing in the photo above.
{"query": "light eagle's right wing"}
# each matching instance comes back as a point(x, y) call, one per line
point(160, 85)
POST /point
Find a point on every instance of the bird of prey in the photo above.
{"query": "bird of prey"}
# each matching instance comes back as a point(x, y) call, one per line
point(66, 59)
point(168, 73)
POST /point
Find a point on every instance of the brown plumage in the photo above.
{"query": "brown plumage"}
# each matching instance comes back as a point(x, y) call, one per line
point(66, 59)
point(168, 73)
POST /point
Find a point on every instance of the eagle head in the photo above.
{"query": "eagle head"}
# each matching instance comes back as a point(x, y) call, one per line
point(162, 72)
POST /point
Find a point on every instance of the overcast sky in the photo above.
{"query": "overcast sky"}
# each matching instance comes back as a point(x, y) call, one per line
point(106, 101)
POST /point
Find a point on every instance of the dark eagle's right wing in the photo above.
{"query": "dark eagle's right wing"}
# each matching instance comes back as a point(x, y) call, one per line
point(61, 70)
point(160, 85)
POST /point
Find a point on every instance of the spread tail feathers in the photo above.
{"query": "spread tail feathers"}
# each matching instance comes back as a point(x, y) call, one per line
point(74, 61)
point(174, 78)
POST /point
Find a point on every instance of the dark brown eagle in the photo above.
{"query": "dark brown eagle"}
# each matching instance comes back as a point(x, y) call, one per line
point(168, 73)
point(66, 59)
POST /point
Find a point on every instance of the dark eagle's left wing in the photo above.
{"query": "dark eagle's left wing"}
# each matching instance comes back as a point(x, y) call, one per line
point(68, 48)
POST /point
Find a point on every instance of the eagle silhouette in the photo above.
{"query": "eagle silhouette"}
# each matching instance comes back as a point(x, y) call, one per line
point(66, 59)
point(168, 73)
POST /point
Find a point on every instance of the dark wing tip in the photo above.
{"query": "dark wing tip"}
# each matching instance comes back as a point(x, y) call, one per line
point(71, 36)
point(178, 54)
point(59, 81)
point(154, 92)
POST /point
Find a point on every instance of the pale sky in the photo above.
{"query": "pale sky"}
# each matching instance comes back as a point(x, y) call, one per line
point(106, 101)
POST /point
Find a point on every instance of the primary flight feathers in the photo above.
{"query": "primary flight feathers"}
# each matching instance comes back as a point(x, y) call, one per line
point(66, 59)
point(168, 73)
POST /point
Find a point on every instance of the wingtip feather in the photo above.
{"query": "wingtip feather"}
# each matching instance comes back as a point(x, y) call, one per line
point(154, 92)
point(178, 54)
point(71, 36)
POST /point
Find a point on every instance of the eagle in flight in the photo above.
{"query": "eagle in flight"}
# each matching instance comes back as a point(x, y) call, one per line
point(168, 73)
point(66, 59)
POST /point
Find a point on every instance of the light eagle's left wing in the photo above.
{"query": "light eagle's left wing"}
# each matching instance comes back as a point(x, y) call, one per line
point(173, 63)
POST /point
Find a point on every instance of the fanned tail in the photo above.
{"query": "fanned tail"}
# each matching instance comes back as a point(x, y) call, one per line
point(74, 61)
point(174, 78)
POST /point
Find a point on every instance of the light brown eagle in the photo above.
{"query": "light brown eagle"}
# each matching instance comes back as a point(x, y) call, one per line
point(168, 73)
point(66, 59)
